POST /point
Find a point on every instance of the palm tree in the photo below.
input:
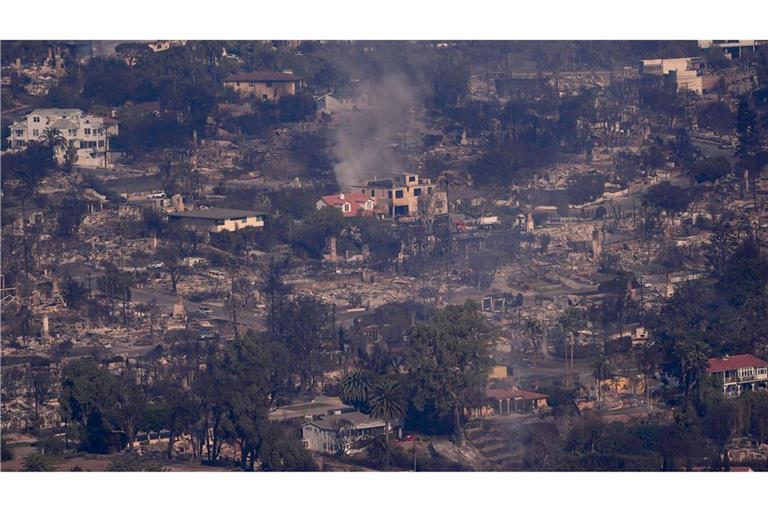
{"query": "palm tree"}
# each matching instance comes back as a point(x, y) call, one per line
point(36, 462)
point(388, 403)
point(356, 387)
point(53, 140)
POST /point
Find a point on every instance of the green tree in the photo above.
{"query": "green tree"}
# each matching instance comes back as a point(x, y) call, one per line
point(448, 361)
point(36, 462)
point(52, 139)
point(388, 402)
point(355, 388)
point(89, 396)
point(70, 157)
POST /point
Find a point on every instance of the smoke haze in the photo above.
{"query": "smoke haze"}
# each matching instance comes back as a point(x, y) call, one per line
point(362, 139)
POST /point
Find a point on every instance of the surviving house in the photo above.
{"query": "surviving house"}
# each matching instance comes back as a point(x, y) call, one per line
point(264, 85)
point(350, 99)
point(216, 220)
point(739, 373)
point(340, 432)
point(351, 204)
point(688, 73)
point(510, 399)
point(89, 134)
point(406, 196)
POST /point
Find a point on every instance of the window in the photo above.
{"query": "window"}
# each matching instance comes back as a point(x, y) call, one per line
point(399, 194)
point(72, 132)
point(762, 371)
point(389, 194)
point(87, 131)
point(35, 133)
point(373, 193)
point(429, 190)
point(346, 207)
point(411, 179)
point(417, 191)
point(36, 119)
point(101, 143)
point(19, 133)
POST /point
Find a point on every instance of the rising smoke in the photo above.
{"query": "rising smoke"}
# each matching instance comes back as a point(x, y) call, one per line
point(363, 139)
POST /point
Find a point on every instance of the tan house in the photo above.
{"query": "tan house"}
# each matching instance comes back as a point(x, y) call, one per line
point(406, 196)
point(264, 85)
point(216, 220)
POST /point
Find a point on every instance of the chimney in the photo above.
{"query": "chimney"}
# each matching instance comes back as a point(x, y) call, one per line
point(596, 244)
point(45, 333)
point(332, 249)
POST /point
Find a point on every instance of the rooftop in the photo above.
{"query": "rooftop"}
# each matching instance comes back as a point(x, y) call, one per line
point(358, 420)
point(263, 76)
point(56, 112)
point(216, 214)
point(717, 364)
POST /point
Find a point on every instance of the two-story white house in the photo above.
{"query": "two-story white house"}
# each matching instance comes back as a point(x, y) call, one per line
point(739, 373)
point(90, 134)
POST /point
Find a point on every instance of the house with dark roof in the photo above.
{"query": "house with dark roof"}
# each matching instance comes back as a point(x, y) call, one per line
point(264, 85)
point(340, 431)
point(216, 220)
point(739, 373)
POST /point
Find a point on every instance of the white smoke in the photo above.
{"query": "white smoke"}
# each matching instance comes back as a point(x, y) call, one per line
point(363, 139)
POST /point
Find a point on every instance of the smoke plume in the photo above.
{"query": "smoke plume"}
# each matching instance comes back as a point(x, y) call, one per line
point(363, 139)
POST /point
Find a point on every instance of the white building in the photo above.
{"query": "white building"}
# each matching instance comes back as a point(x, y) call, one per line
point(687, 71)
point(90, 134)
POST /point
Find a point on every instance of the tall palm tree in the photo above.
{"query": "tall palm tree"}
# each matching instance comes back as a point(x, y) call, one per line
point(356, 387)
point(388, 403)
point(53, 140)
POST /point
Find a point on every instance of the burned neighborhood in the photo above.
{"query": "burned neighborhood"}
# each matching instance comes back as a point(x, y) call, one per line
point(430, 255)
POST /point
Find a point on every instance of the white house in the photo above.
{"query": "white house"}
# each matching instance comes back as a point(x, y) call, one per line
point(90, 134)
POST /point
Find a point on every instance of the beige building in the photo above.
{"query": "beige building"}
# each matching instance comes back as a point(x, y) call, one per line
point(264, 85)
point(216, 220)
point(89, 134)
point(688, 72)
point(406, 196)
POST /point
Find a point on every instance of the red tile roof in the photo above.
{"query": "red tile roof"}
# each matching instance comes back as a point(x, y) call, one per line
point(263, 76)
point(355, 199)
point(717, 364)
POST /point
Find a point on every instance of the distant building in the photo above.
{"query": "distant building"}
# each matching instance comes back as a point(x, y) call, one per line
point(216, 220)
point(161, 46)
point(351, 205)
point(508, 400)
point(687, 72)
point(338, 433)
point(739, 373)
point(264, 85)
point(350, 99)
point(90, 134)
point(406, 196)
point(733, 47)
